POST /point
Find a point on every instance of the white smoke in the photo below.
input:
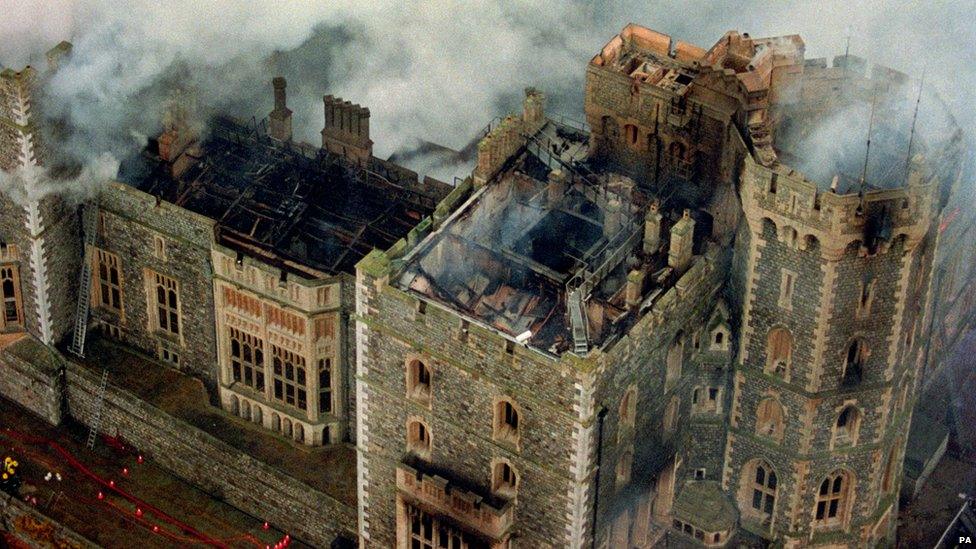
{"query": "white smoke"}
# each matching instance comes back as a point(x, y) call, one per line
point(31, 183)
point(435, 70)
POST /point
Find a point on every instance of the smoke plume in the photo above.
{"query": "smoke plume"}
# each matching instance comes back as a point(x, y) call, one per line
point(436, 71)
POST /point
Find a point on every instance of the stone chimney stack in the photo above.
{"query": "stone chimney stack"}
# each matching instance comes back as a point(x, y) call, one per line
point(682, 241)
point(57, 55)
point(533, 109)
point(346, 130)
point(556, 188)
point(279, 121)
point(652, 230)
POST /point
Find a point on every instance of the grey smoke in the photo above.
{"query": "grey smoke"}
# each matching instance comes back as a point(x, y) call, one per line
point(437, 71)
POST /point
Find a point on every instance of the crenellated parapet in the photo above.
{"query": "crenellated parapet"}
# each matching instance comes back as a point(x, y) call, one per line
point(807, 216)
point(506, 138)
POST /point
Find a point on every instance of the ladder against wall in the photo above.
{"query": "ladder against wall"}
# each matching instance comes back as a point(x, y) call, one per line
point(89, 223)
point(97, 416)
point(577, 319)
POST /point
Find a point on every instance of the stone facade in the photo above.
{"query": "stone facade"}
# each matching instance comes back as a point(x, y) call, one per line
point(655, 332)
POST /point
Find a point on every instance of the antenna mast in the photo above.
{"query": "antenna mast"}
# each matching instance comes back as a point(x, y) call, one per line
point(867, 150)
point(911, 135)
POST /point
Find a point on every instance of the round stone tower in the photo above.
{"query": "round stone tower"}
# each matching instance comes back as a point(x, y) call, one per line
point(831, 291)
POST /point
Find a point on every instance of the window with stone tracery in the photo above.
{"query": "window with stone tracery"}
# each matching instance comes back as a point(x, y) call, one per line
point(107, 290)
point(12, 314)
point(247, 359)
point(165, 311)
point(290, 382)
point(832, 498)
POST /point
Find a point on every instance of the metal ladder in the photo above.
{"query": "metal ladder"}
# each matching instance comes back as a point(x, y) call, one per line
point(574, 302)
point(97, 418)
point(89, 220)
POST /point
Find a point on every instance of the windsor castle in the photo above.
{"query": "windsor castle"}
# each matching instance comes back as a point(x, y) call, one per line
point(662, 327)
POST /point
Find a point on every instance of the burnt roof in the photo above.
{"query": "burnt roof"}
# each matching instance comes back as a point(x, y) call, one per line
point(293, 202)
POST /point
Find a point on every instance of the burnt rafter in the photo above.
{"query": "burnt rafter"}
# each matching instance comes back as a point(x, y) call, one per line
point(291, 200)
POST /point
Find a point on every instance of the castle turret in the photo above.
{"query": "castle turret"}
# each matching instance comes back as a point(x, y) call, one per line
point(39, 246)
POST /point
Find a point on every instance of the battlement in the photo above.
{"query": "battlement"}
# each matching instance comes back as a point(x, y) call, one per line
point(809, 217)
point(506, 138)
point(346, 130)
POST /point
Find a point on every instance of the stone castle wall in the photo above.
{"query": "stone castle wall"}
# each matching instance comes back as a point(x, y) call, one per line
point(132, 220)
point(467, 376)
point(210, 464)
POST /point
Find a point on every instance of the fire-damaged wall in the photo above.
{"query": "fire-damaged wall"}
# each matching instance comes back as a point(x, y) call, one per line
point(470, 371)
point(155, 243)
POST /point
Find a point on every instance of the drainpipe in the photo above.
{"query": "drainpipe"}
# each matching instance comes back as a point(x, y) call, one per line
point(601, 415)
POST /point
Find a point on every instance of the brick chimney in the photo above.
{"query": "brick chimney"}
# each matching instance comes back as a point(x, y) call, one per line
point(57, 55)
point(652, 230)
point(346, 130)
point(682, 240)
point(279, 121)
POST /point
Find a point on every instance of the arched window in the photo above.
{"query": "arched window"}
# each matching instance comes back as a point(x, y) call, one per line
point(779, 351)
point(628, 407)
point(630, 132)
point(671, 415)
point(418, 437)
point(325, 386)
point(857, 353)
point(764, 489)
point(624, 466)
point(832, 498)
point(769, 419)
point(10, 297)
point(506, 422)
point(889, 470)
point(677, 150)
point(674, 359)
point(504, 479)
point(845, 428)
point(418, 380)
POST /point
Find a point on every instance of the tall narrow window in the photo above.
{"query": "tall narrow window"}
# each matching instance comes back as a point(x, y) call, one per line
point(10, 292)
point(832, 499)
point(674, 359)
point(108, 288)
point(889, 470)
point(845, 428)
point(506, 422)
point(504, 479)
point(630, 131)
point(624, 466)
point(779, 351)
point(628, 407)
point(166, 299)
point(867, 297)
point(159, 247)
point(764, 489)
point(418, 437)
point(289, 378)
point(325, 386)
point(769, 419)
point(857, 353)
point(786, 286)
point(670, 422)
point(418, 380)
point(247, 359)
